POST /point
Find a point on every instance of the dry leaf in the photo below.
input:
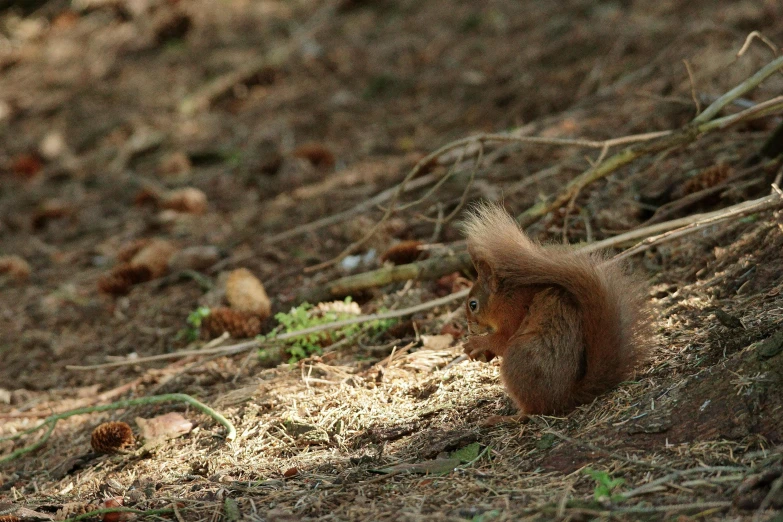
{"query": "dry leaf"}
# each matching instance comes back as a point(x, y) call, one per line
point(188, 199)
point(167, 426)
point(339, 307)
point(437, 342)
point(49, 210)
point(26, 165)
point(175, 164)
point(436, 466)
point(14, 266)
point(155, 256)
point(22, 513)
point(246, 293)
point(130, 249)
point(194, 258)
point(116, 516)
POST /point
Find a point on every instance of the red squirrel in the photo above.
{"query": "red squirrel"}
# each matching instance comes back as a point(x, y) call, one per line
point(568, 326)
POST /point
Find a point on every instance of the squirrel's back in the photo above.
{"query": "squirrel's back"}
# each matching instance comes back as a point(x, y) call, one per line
point(613, 313)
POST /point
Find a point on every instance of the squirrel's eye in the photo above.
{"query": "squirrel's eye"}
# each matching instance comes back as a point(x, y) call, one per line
point(473, 304)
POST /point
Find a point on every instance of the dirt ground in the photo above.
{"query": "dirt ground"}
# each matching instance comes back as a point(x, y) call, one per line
point(216, 127)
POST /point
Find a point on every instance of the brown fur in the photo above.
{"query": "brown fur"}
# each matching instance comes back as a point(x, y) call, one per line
point(569, 326)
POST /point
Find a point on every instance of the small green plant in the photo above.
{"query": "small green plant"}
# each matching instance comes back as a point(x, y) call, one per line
point(605, 485)
point(303, 316)
point(233, 157)
point(486, 516)
point(381, 85)
point(191, 332)
point(471, 23)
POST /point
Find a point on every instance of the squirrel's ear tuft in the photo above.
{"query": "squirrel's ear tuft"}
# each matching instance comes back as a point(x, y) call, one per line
point(486, 276)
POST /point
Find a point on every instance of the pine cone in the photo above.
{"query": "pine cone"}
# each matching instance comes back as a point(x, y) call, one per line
point(237, 324)
point(403, 252)
point(74, 509)
point(111, 437)
point(705, 179)
point(10, 518)
point(125, 275)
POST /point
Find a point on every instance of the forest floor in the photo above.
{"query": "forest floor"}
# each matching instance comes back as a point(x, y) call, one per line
point(273, 115)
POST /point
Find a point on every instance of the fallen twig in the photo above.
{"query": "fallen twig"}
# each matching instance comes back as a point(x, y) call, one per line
point(769, 498)
point(666, 210)
point(249, 345)
point(427, 269)
point(579, 508)
point(644, 144)
point(438, 267)
point(105, 396)
point(374, 201)
point(744, 87)
point(433, 268)
point(748, 207)
point(598, 449)
point(645, 488)
point(749, 40)
point(91, 515)
point(640, 233)
point(722, 504)
point(52, 420)
point(274, 57)
point(223, 350)
point(702, 124)
point(479, 140)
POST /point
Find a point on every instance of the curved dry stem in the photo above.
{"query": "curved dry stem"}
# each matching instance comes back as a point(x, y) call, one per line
point(743, 209)
point(480, 140)
point(684, 137)
point(744, 87)
point(169, 397)
point(433, 268)
point(464, 198)
point(34, 446)
point(333, 219)
point(95, 513)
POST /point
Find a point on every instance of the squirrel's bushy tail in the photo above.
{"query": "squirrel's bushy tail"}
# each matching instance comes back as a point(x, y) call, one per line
point(611, 304)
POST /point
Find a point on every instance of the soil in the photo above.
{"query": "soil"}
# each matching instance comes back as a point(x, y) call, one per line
point(273, 115)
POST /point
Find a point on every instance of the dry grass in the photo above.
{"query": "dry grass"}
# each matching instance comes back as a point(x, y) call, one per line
point(691, 435)
point(335, 423)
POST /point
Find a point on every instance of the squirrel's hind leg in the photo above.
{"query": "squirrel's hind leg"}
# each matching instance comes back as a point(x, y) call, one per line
point(544, 359)
point(494, 420)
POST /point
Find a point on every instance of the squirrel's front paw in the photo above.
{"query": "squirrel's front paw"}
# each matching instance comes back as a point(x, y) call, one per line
point(476, 352)
point(494, 420)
